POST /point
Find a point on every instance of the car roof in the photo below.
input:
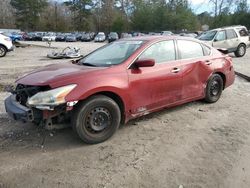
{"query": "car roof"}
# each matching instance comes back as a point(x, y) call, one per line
point(229, 27)
point(159, 38)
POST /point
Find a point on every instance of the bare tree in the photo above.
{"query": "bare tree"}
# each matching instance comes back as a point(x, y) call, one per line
point(6, 15)
point(222, 6)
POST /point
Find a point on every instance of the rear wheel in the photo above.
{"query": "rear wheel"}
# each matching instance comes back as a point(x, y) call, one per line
point(214, 88)
point(96, 119)
point(3, 51)
point(241, 50)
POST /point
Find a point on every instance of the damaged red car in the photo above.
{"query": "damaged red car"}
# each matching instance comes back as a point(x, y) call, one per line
point(121, 81)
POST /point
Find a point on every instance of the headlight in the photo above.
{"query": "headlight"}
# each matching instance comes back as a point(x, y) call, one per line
point(52, 97)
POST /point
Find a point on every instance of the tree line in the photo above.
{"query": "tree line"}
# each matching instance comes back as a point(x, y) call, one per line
point(119, 15)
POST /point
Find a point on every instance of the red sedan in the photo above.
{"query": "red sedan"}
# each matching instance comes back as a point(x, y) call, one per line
point(120, 81)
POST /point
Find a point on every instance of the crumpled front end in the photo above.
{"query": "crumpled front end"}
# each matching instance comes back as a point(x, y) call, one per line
point(18, 108)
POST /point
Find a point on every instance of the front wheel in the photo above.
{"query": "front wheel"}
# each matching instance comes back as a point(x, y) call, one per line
point(3, 51)
point(96, 119)
point(241, 50)
point(214, 88)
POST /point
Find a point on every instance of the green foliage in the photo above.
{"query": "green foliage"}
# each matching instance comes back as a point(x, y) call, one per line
point(124, 15)
point(157, 16)
point(80, 12)
point(28, 12)
point(118, 25)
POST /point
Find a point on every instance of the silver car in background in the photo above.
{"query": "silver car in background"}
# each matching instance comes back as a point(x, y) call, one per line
point(234, 38)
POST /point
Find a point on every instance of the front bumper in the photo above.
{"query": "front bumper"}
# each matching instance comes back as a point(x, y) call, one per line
point(11, 48)
point(16, 110)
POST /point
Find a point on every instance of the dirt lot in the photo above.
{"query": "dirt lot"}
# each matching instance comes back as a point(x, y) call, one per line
point(194, 145)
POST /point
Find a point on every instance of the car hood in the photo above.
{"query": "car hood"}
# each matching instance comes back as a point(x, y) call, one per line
point(54, 74)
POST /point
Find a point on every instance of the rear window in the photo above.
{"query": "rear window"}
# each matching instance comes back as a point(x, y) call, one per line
point(243, 32)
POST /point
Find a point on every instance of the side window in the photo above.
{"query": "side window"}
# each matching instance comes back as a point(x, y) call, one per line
point(161, 52)
point(189, 49)
point(231, 34)
point(221, 35)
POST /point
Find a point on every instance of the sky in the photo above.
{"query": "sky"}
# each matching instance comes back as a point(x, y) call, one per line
point(200, 6)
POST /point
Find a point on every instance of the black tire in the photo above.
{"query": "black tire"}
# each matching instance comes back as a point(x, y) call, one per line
point(241, 51)
point(3, 51)
point(96, 119)
point(214, 88)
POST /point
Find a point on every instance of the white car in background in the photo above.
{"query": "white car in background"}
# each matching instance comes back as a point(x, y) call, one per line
point(100, 37)
point(49, 37)
point(5, 45)
point(234, 38)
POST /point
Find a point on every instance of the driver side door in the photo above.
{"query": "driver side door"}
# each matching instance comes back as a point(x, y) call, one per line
point(151, 88)
point(220, 40)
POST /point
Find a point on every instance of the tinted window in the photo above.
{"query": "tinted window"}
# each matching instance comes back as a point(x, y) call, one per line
point(189, 49)
point(243, 32)
point(231, 34)
point(209, 35)
point(221, 35)
point(161, 52)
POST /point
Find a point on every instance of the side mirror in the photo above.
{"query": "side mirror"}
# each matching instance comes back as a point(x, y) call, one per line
point(145, 63)
point(74, 61)
point(223, 50)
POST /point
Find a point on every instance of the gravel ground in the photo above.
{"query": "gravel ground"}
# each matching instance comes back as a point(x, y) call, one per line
point(194, 145)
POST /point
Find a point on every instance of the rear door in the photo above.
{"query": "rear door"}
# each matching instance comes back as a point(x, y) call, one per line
point(232, 40)
point(196, 67)
point(154, 87)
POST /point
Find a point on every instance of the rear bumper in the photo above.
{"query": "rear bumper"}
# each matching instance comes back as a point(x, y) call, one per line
point(230, 77)
point(16, 110)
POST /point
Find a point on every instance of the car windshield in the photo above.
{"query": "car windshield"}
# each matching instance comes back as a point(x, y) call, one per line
point(113, 34)
point(100, 35)
point(111, 54)
point(207, 35)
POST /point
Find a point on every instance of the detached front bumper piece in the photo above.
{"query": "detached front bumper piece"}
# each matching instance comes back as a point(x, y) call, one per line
point(16, 110)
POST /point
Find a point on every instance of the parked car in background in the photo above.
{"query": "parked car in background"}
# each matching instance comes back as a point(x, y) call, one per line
point(49, 37)
point(38, 36)
point(121, 81)
point(234, 38)
point(167, 33)
point(112, 36)
point(137, 34)
point(71, 38)
point(5, 45)
point(14, 36)
point(100, 37)
point(193, 35)
point(78, 36)
point(60, 37)
point(126, 35)
point(28, 36)
point(86, 37)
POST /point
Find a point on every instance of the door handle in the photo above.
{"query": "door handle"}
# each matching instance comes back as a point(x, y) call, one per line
point(175, 70)
point(208, 62)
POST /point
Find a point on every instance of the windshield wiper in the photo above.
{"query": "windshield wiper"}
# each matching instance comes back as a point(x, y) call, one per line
point(89, 64)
